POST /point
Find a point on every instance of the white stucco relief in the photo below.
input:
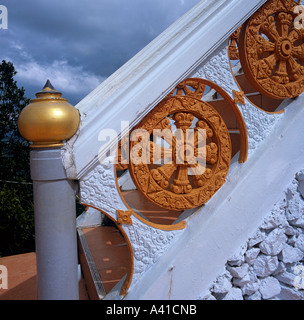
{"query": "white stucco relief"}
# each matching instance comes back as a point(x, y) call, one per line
point(98, 189)
point(258, 122)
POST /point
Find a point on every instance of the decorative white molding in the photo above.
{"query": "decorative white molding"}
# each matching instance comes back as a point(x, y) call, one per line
point(271, 253)
point(136, 88)
point(148, 245)
point(217, 230)
point(258, 122)
point(98, 189)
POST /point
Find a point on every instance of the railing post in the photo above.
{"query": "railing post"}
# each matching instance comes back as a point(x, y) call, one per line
point(48, 121)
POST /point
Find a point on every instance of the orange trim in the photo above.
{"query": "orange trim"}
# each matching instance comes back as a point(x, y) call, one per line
point(254, 105)
point(173, 227)
point(129, 277)
point(242, 126)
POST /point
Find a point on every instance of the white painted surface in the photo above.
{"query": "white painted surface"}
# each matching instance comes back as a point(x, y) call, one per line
point(131, 92)
point(269, 264)
point(218, 230)
point(198, 253)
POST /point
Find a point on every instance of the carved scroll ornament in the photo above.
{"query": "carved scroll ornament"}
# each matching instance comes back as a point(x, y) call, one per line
point(233, 45)
point(181, 183)
point(272, 50)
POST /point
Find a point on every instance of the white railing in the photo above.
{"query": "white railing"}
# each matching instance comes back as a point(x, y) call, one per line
point(136, 88)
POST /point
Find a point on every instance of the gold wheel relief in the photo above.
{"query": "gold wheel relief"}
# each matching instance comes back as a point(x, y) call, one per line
point(271, 50)
point(181, 183)
point(233, 45)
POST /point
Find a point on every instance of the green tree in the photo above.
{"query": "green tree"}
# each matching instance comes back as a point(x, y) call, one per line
point(16, 205)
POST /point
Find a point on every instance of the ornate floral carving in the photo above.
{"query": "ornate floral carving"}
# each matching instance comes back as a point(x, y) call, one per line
point(239, 96)
point(189, 88)
point(124, 217)
point(218, 70)
point(122, 160)
point(148, 244)
point(271, 50)
point(183, 182)
point(233, 44)
point(98, 189)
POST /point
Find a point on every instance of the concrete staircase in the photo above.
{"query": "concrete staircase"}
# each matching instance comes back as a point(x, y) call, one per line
point(103, 251)
point(215, 231)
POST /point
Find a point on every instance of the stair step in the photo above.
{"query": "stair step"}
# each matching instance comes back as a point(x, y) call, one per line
point(104, 258)
point(148, 209)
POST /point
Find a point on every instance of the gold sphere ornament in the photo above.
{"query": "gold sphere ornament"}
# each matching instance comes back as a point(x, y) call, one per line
point(49, 119)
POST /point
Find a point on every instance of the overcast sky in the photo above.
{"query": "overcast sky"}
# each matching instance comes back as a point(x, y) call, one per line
point(76, 43)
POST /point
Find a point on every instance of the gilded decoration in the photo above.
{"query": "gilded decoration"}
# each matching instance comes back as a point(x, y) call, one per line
point(233, 45)
point(49, 119)
point(271, 50)
point(124, 217)
point(176, 172)
point(239, 96)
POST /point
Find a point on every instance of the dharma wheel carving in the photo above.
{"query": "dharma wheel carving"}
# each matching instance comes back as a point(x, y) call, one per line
point(180, 152)
point(272, 50)
point(233, 44)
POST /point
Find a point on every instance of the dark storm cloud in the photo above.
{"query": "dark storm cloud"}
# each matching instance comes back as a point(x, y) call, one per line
point(77, 44)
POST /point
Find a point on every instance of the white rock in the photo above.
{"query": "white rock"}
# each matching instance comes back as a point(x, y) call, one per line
point(300, 175)
point(286, 278)
point(290, 294)
point(290, 254)
point(223, 284)
point(258, 237)
point(256, 296)
point(299, 242)
point(239, 272)
point(301, 188)
point(251, 255)
point(234, 294)
point(269, 288)
point(292, 190)
point(295, 207)
point(207, 296)
point(239, 257)
point(298, 222)
point(289, 230)
point(241, 282)
point(264, 265)
point(281, 268)
point(250, 288)
point(276, 219)
point(274, 242)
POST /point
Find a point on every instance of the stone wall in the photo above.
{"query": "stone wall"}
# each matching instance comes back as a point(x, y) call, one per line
point(271, 264)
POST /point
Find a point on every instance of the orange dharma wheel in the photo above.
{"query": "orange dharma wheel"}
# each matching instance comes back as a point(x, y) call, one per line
point(180, 153)
point(271, 48)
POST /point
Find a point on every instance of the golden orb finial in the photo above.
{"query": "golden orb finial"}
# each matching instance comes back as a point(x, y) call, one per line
point(49, 119)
